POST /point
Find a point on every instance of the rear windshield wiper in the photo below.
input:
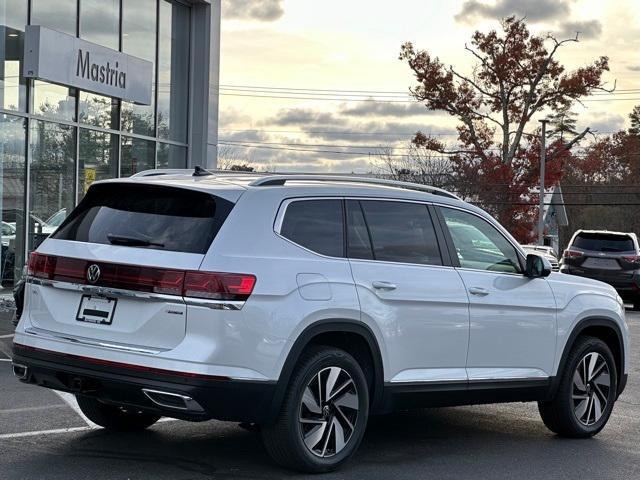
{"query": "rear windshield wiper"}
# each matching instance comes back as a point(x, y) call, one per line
point(132, 241)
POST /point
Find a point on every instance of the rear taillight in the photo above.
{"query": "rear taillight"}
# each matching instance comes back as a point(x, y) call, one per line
point(218, 286)
point(631, 258)
point(569, 253)
point(211, 285)
point(41, 266)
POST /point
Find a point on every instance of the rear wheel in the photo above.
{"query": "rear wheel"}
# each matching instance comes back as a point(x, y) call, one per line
point(111, 417)
point(323, 415)
point(586, 393)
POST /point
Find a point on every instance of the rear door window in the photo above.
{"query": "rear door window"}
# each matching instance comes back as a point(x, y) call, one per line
point(398, 231)
point(604, 242)
point(148, 216)
point(317, 225)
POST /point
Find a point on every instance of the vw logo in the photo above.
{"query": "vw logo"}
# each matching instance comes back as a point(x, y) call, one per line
point(93, 273)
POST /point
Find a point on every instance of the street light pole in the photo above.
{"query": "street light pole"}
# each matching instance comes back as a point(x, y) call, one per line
point(543, 160)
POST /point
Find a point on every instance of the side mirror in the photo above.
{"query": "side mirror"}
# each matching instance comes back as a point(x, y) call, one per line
point(537, 266)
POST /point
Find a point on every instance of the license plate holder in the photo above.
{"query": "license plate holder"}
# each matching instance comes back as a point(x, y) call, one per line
point(96, 309)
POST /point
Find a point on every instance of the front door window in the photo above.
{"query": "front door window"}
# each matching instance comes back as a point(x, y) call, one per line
point(479, 245)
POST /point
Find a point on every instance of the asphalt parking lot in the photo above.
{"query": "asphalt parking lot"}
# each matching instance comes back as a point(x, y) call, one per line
point(43, 437)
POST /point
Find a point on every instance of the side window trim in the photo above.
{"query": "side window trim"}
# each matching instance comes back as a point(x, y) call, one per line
point(452, 250)
point(443, 245)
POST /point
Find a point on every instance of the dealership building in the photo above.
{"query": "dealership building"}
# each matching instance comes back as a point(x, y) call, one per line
point(97, 89)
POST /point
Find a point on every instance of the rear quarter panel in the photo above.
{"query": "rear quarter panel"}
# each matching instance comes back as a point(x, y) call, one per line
point(261, 335)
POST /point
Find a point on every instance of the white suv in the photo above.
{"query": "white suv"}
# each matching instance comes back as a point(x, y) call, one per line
point(304, 304)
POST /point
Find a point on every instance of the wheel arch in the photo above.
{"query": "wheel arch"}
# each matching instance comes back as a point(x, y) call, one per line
point(606, 330)
point(334, 332)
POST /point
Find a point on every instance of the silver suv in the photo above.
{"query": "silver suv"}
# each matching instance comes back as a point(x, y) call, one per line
point(304, 304)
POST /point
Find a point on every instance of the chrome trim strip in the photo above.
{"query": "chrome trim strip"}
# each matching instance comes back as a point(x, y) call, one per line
point(104, 291)
point(215, 304)
point(37, 332)
point(468, 380)
point(153, 297)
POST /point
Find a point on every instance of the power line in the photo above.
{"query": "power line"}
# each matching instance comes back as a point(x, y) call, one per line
point(336, 99)
point(339, 132)
point(383, 92)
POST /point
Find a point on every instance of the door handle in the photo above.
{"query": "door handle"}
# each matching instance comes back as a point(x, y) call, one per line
point(479, 291)
point(384, 286)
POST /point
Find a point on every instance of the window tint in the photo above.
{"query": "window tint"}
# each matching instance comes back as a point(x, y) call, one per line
point(401, 232)
point(604, 242)
point(479, 245)
point(164, 218)
point(316, 225)
point(358, 240)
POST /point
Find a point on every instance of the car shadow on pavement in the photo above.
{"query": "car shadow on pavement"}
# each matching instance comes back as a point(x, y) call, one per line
point(467, 442)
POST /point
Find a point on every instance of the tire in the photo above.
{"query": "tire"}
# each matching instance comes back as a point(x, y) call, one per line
point(115, 418)
point(577, 409)
point(636, 304)
point(327, 418)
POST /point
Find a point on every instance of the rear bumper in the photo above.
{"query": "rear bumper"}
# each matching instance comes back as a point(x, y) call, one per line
point(193, 398)
point(627, 285)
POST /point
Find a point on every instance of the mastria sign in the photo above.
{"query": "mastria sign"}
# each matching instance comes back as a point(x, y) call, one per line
point(64, 59)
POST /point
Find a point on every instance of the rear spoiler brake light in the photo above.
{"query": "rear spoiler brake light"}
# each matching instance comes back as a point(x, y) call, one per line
point(196, 284)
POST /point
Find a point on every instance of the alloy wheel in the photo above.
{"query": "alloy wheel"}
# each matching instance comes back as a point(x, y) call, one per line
point(591, 386)
point(328, 411)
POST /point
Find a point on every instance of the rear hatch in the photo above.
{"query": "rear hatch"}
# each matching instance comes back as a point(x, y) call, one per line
point(114, 271)
point(612, 257)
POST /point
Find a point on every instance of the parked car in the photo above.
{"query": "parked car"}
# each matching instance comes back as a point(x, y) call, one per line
point(611, 257)
point(304, 304)
point(546, 252)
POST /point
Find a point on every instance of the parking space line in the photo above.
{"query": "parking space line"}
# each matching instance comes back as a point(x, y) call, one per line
point(44, 432)
point(32, 409)
point(5, 359)
point(7, 336)
point(70, 400)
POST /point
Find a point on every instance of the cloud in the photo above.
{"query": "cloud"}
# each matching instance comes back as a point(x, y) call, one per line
point(534, 11)
point(634, 68)
point(260, 10)
point(304, 117)
point(231, 116)
point(607, 122)
point(589, 29)
point(379, 109)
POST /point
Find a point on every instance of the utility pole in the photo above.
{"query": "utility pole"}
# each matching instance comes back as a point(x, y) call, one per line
point(543, 160)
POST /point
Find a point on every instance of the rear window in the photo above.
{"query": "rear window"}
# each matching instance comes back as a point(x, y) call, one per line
point(604, 242)
point(148, 216)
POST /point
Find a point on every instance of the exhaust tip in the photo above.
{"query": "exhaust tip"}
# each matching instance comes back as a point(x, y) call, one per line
point(171, 400)
point(20, 371)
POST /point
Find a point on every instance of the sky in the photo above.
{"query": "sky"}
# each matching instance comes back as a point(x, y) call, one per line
point(331, 58)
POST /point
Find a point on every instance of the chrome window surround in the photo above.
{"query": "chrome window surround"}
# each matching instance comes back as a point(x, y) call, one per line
point(277, 226)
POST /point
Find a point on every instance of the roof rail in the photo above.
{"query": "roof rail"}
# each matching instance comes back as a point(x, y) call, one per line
point(272, 180)
point(161, 171)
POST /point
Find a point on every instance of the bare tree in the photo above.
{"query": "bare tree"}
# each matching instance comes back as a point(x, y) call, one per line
point(232, 158)
point(418, 166)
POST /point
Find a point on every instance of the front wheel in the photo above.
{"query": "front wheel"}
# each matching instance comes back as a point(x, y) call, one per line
point(586, 393)
point(116, 418)
point(323, 415)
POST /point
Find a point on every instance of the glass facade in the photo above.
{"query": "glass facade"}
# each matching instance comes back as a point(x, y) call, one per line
point(56, 140)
